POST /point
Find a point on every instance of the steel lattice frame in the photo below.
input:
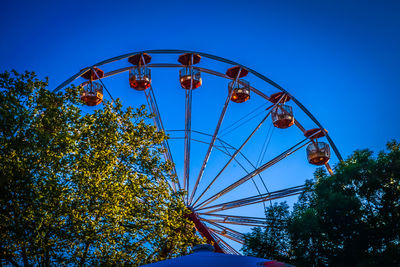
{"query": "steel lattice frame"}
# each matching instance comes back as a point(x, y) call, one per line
point(205, 214)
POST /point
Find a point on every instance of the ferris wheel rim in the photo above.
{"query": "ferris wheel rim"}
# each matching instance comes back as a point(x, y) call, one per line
point(201, 209)
point(216, 58)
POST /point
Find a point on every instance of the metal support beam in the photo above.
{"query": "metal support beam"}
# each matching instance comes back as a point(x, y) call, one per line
point(225, 234)
point(225, 245)
point(188, 131)
point(203, 230)
point(234, 219)
point(255, 172)
point(231, 232)
point(233, 157)
point(240, 148)
point(237, 223)
point(152, 103)
point(210, 147)
point(188, 123)
point(253, 200)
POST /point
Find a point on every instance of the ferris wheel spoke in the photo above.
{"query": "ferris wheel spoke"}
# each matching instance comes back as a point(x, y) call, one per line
point(226, 146)
point(252, 165)
point(292, 191)
point(225, 234)
point(245, 119)
point(214, 137)
point(245, 170)
point(188, 131)
point(215, 146)
point(297, 123)
point(240, 223)
point(230, 231)
point(217, 240)
point(233, 157)
point(226, 152)
point(188, 123)
point(265, 166)
point(152, 103)
point(219, 148)
point(235, 219)
point(225, 246)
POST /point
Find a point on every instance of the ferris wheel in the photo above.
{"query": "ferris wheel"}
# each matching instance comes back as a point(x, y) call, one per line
point(218, 143)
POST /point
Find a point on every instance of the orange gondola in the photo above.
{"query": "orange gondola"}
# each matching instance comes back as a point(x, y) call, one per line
point(318, 153)
point(241, 91)
point(189, 78)
point(92, 93)
point(281, 114)
point(241, 88)
point(140, 75)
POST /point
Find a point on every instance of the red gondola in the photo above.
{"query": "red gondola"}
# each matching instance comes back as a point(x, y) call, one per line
point(140, 75)
point(241, 91)
point(318, 153)
point(241, 88)
point(92, 93)
point(189, 78)
point(281, 114)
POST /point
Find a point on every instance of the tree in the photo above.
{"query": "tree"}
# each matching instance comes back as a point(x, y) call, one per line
point(351, 218)
point(356, 211)
point(82, 189)
point(273, 242)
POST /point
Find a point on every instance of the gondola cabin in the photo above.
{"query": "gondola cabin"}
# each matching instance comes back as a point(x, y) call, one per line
point(241, 88)
point(318, 153)
point(241, 91)
point(282, 116)
point(140, 78)
point(92, 93)
point(140, 75)
point(189, 77)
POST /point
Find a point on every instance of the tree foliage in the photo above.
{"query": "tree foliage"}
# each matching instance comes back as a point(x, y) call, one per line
point(82, 189)
point(351, 218)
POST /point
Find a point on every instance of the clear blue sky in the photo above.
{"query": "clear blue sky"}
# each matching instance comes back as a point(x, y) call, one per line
point(339, 58)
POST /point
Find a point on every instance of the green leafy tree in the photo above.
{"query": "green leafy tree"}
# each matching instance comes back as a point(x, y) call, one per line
point(354, 214)
point(82, 189)
point(351, 218)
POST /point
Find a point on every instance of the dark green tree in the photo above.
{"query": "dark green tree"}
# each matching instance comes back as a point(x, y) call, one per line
point(351, 218)
point(354, 214)
point(82, 189)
